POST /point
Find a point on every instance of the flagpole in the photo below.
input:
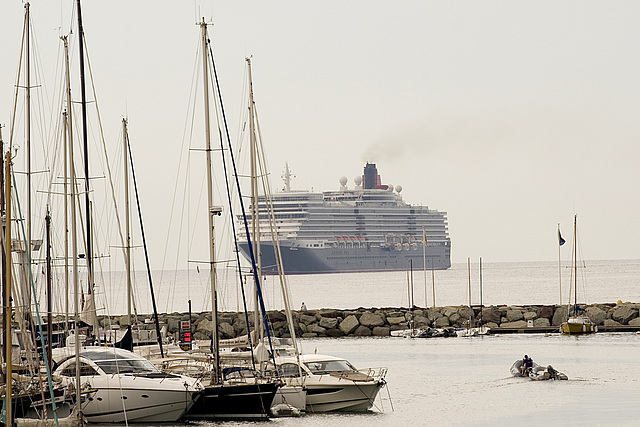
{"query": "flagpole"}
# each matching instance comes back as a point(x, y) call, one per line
point(433, 284)
point(424, 264)
point(559, 268)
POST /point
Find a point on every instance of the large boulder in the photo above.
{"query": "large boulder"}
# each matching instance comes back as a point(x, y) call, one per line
point(307, 320)
point(362, 331)
point(448, 311)
point(206, 327)
point(395, 320)
point(442, 322)
point(560, 315)
point(199, 336)
point(421, 321)
point(173, 324)
point(225, 330)
point(317, 329)
point(276, 316)
point(330, 313)
point(624, 314)
point(529, 315)
point(541, 322)
point(491, 314)
point(514, 315)
point(432, 314)
point(518, 324)
point(371, 319)
point(381, 331)
point(335, 333)
point(455, 318)
point(597, 315)
point(240, 326)
point(395, 314)
point(546, 311)
point(634, 322)
point(349, 324)
point(328, 322)
point(611, 322)
point(465, 313)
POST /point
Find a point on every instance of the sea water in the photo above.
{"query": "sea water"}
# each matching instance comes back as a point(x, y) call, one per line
point(502, 283)
point(466, 381)
point(458, 381)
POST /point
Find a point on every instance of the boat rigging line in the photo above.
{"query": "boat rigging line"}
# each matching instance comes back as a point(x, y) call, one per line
point(244, 216)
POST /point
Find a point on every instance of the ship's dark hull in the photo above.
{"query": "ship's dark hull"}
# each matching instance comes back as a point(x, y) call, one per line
point(234, 402)
point(298, 260)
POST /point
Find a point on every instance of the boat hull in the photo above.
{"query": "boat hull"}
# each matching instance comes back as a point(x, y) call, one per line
point(112, 404)
point(299, 260)
point(345, 397)
point(291, 395)
point(578, 328)
point(234, 402)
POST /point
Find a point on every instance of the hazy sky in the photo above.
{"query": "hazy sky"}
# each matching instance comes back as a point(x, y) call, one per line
point(510, 116)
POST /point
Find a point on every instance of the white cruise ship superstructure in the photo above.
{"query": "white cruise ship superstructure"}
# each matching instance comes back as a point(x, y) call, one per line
point(369, 228)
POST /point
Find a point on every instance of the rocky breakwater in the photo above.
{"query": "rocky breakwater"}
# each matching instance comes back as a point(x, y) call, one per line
point(363, 322)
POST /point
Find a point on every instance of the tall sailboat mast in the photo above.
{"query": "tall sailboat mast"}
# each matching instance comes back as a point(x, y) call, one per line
point(255, 213)
point(71, 191)
point(575, 263)
point(89, 255)
point(127, 249)
point(211, 211)
point(7, 281)
point(424, 264)
point(27, 18)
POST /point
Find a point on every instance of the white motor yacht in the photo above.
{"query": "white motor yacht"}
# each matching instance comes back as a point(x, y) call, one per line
point(130, 388)
point(332, 383)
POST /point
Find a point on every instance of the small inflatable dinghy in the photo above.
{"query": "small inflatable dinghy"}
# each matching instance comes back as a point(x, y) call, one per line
point(536, 372)
point(540, 373)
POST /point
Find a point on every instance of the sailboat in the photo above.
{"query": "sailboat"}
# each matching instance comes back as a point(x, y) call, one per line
point(578, 322)
point(411, 331)
point(127, 387)
point(223, 399)
point(479, 330)
point(28, 389)
point(289, 399)
point(314, 382)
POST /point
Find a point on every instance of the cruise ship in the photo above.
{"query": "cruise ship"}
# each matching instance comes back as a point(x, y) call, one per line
point(367, 228)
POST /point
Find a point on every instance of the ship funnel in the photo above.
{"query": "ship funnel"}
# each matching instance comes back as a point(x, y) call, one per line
point(370, 175)
point(371, 179)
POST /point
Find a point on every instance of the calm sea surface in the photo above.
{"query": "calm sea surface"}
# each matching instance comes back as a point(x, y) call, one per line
point(455, 381)
point(466, 381)
point(502, 283)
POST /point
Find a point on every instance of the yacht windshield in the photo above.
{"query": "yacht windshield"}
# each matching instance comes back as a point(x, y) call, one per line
point(118, 361)
point(126, 366)
point(329, 366)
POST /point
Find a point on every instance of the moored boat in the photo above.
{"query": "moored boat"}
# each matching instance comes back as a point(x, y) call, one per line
point(332, 383)
point(129, 388)
point(578, 322)
point(239, 401)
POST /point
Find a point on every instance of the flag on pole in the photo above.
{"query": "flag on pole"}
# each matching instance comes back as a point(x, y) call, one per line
point(424, 236)
point(561, 241)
